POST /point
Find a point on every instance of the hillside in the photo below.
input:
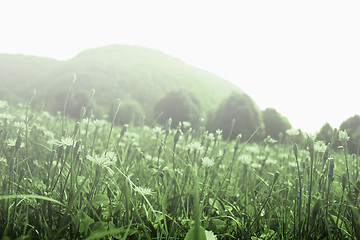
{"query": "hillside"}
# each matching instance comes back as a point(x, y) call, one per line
point(116, 71)
point(18, 72)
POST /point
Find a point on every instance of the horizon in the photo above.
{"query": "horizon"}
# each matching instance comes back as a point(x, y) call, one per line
point(305, 68)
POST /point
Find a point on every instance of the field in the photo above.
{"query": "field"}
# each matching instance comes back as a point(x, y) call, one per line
point(64, 178)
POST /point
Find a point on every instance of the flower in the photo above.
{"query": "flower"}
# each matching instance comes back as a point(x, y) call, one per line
point(144, 191)
point(20, 125)
point(186, 124)
point(320, 146)
point(102, 161)
point(343, 136)
point(218, 134)
point(292, 132)
point(292, 164)
point(271, 162)
point(6, 116)
point(11, 142)
point(99, 123)
point(158, 131)
point(207, 162)
point(66, 141)
point(195, 146)
point(3, 104)
point(245, 159)
point(210, 235)
point(111, 156)
point(211, 137)
point(256, 165)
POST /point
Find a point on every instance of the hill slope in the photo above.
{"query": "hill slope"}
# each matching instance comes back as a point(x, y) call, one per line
point(120, 71)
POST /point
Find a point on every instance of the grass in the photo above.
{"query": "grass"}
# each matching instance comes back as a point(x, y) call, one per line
point(86, 178)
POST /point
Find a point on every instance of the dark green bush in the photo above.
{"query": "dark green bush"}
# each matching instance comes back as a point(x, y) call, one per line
point(351, 125)
point(180, 106)
point(274, 123)
point(240, 107)
point(325, 134)
point(130, 111)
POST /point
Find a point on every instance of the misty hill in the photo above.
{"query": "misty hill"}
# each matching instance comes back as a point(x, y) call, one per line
point(116, 71)
point(17, 71)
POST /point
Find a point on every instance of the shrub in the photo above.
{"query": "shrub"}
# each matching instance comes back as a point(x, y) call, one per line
point(325, 134)
point(274, 123)
point(130, 111)
point(351, 125)
point(240, 107)
point(180, 106)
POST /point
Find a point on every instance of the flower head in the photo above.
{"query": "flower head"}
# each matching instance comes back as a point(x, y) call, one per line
point(343, 136)
point(158, 131)
point(11, 142)
point(320, 146)
point(99, 123)
point(144, 191)
point(207, 162)
point(292, 132)
point(195, 146)
point(3, 104)
point(101, 161)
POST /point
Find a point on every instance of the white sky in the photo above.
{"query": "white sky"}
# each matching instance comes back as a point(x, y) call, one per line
point(300, 57)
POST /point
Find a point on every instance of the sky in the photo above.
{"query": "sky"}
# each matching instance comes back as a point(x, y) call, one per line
point(300, 57)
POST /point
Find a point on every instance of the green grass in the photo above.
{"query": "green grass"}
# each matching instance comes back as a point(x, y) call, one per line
point(65, 178)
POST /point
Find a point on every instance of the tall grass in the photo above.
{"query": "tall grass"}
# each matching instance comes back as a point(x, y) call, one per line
point(91, 179)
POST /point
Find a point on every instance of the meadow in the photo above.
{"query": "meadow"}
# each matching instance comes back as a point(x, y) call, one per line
point(88, 178)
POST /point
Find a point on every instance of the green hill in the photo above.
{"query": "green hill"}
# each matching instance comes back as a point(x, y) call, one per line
point(115, 71)
point(18, 72)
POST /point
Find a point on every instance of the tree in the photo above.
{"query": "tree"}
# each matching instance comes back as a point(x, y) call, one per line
point(242, 109)
point(130, 111)
point(351, 125)
point(180, 106)
point(325, 134)
point(274, 123)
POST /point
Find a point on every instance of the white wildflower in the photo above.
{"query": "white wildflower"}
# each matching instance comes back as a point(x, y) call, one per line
point(186, 124)
point(99, 123)
point(3, 104)
point(6, 116)
point(20, 125)
point(11, 142)
point(144, 191)
point(256, 165)
point(245, 159)
point(292, 132)
point(158, 131)
point(320, 146)
point(195, 146)
point(207, 162)
point(271, 162)
point(102, 161)
point(343, 136)
point(210, 235)
point(292, 164)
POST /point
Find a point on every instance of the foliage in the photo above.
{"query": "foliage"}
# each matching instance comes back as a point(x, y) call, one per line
point(180, 106)
point(240, 108)
point(115, 71)
point(274, 123)
point(325, 134)
point(130, 111)
point(62, 179)
point(351, 125)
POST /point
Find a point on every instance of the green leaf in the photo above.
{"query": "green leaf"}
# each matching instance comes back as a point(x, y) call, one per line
point(191, 234)
point(101, 234)
point(101, 200)
point(31, 196)
point(219, 224)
